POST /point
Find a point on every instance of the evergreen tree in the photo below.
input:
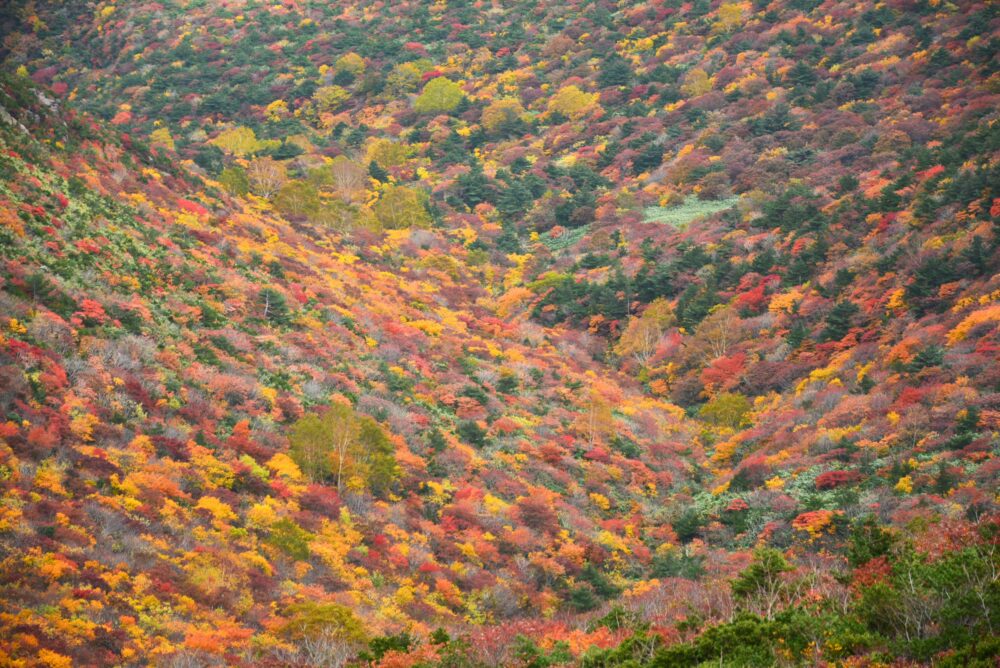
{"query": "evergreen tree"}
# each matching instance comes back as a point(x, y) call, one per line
point(838, 321)
point(615, 71)
point(474, 187)
point(978, 255)
point(376, 172)
point(760, 586)
point(273, 306)
point(797, 334)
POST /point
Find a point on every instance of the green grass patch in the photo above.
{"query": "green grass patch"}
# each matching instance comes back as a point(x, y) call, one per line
point(691, 209)
point(569, 237)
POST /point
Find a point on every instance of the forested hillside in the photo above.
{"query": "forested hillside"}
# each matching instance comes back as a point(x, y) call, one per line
point(466, 334)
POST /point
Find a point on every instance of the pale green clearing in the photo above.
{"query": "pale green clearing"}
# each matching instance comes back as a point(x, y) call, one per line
point(569, 237)
point(691, 209)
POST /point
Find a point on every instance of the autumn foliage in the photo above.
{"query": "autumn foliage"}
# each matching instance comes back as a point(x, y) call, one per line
point(530, 334)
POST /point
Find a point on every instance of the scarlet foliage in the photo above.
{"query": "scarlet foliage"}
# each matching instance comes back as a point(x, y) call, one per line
point(834, 479)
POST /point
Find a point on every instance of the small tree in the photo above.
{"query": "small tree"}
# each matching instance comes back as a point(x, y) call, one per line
point(241, 141)
point(760, 586)
point(696, 82)
point(339, 444)
point(348, 178)
point(311, 447)
point(274, 307)
point(266, 176)
point(470, 432)
point(329, 98)
point(572, 102)
point(439, 95)
point(235, 181)
point(400, 207)
point(838, 321)
point(290, 538)
point(583, 599)
point(296, 199)
point(728, 409)
point(643, 333)
point(719, 332)
point(503, 115)
point(350, 62)
point(310, 620)
point(597, 421)
point(687, 525)
point(378, 453)
point(343, 432)
point(615, 71)
point(868, 541)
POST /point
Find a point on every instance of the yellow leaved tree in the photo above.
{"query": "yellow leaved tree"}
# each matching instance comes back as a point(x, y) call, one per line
point(439, 95)
point(572, 102)
point(643, 333)
point(503, 113)
point(241, 142)
point(399, 207)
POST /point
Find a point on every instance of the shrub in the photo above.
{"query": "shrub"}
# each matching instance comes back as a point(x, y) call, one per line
point(834, 479)
point(290, 538)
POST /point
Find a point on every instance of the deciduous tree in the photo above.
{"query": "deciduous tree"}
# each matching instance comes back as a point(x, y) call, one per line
point(439, 95)
point(266, 176)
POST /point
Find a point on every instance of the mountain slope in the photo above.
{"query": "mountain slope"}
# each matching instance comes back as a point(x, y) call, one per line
point(651, 332)
point(147, 386)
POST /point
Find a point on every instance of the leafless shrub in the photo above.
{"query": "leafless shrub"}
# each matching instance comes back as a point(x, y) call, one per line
point(325, 650)
point(190, 659)
point(52, 333)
